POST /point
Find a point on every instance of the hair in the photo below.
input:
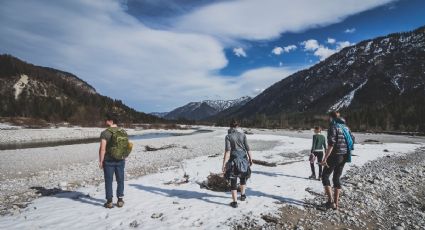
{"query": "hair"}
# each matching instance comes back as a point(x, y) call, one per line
point(234, 123)
point(334, 114)
point(112, 117)
point(317, 128)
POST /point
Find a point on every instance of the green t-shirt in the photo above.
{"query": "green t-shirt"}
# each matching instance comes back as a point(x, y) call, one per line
point(319, 143)
point(107, 135)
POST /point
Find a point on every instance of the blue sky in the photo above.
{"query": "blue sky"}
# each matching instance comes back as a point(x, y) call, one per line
point(156, 55)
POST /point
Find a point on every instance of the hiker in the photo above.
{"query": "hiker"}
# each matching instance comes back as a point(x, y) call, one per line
point(114, 147)
point(237, 161)
point(340, 144)
point(317, 149)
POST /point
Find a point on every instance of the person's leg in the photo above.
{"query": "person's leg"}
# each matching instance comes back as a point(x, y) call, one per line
point(313, 171)
point(326, 182)
point(327, 171)
point(336, 180)
point(234, 188)
point(108, 172)
point(319, 159)
point(119, 176)
point(243, 185)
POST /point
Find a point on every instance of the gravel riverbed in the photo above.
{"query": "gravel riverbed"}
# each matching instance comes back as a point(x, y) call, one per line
point(387, 193)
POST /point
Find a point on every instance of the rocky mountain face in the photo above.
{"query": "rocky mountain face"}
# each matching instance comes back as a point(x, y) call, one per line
point(32, 91)
point(204, 109)
point(377, 84)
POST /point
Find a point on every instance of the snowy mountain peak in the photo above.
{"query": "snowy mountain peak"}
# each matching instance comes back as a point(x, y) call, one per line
point(204, 109)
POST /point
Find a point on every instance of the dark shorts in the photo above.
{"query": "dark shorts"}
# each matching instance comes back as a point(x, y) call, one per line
point(336, 164)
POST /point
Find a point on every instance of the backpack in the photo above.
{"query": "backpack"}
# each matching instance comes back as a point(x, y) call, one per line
point(120, 146)
point(348, 140)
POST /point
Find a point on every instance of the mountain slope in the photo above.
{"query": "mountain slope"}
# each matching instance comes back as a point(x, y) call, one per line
point(32, 91)
point(378, 84)
point(204, 109)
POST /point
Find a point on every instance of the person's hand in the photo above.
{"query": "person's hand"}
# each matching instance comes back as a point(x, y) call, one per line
point(223, 169)
point(101, 164)
point(324, 163)
point(251, 162)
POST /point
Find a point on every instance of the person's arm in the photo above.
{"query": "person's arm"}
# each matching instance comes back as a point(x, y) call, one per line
point(312, 144)
point(327, 154)
point(248, 150)
point(225, 159)
point(324, 143)
point(102, 151)
point(227, 149)
point(332, 138)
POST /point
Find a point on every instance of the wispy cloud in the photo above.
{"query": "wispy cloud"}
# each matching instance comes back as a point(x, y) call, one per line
point(350, 30)
point(331, 41)
point(240, 52)
point(255, 19)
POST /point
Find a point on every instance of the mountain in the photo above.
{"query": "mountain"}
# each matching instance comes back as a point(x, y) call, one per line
point(159, 114)
point(33, 91)
point(377, 84)
point(204, 109)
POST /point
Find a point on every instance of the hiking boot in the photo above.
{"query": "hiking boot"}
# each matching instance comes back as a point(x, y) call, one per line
point(120, 203)
point(312, 177)
point(243, 197)
point(234, 204)
point(108, 204)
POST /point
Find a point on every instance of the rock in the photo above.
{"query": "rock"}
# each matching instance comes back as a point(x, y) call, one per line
point(157, 215)
point(134, 224)
point(398, 228)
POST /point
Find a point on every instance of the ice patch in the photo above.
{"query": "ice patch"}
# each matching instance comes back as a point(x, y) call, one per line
point(20, 85)
point(347, 99)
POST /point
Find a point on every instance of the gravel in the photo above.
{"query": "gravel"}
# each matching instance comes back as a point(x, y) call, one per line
point(388, 193)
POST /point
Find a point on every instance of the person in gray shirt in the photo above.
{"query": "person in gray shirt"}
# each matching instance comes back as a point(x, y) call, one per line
point(237, 161)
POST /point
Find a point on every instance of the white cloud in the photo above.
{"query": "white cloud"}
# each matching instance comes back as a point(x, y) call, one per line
point(310, 45)
point(240, 52)
point(124, 59)
point(289, 48)
point(342, 45)
point(321, 51)
point(277, 50)
point(331, 40)
point(350, 30)
point(255, 19)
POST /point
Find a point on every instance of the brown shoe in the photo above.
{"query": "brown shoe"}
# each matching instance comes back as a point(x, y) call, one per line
point(120, 203)
point(108, 204)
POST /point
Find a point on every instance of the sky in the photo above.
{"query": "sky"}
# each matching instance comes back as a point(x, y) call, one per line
point(156, 55)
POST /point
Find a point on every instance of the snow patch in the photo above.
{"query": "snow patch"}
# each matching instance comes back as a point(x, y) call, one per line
point(20, 85)
point(347, 99)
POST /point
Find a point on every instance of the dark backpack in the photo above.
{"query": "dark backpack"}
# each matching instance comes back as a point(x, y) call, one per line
point(120, 146)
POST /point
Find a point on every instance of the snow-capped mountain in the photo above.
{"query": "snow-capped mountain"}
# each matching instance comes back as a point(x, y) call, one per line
point(204, 109)
point(378, 84)
point(159, 114)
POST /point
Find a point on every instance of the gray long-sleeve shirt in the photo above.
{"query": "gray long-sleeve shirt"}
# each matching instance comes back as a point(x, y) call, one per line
point(236, 141)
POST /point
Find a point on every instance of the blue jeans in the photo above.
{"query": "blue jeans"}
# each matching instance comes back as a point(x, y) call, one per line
point(109, 168)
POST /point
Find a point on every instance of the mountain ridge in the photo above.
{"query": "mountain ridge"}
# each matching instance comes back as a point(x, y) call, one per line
point(375, 83)
point(33, 91)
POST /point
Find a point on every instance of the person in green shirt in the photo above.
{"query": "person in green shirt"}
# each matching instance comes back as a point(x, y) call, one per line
point(317, 149)
point(110, 165)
